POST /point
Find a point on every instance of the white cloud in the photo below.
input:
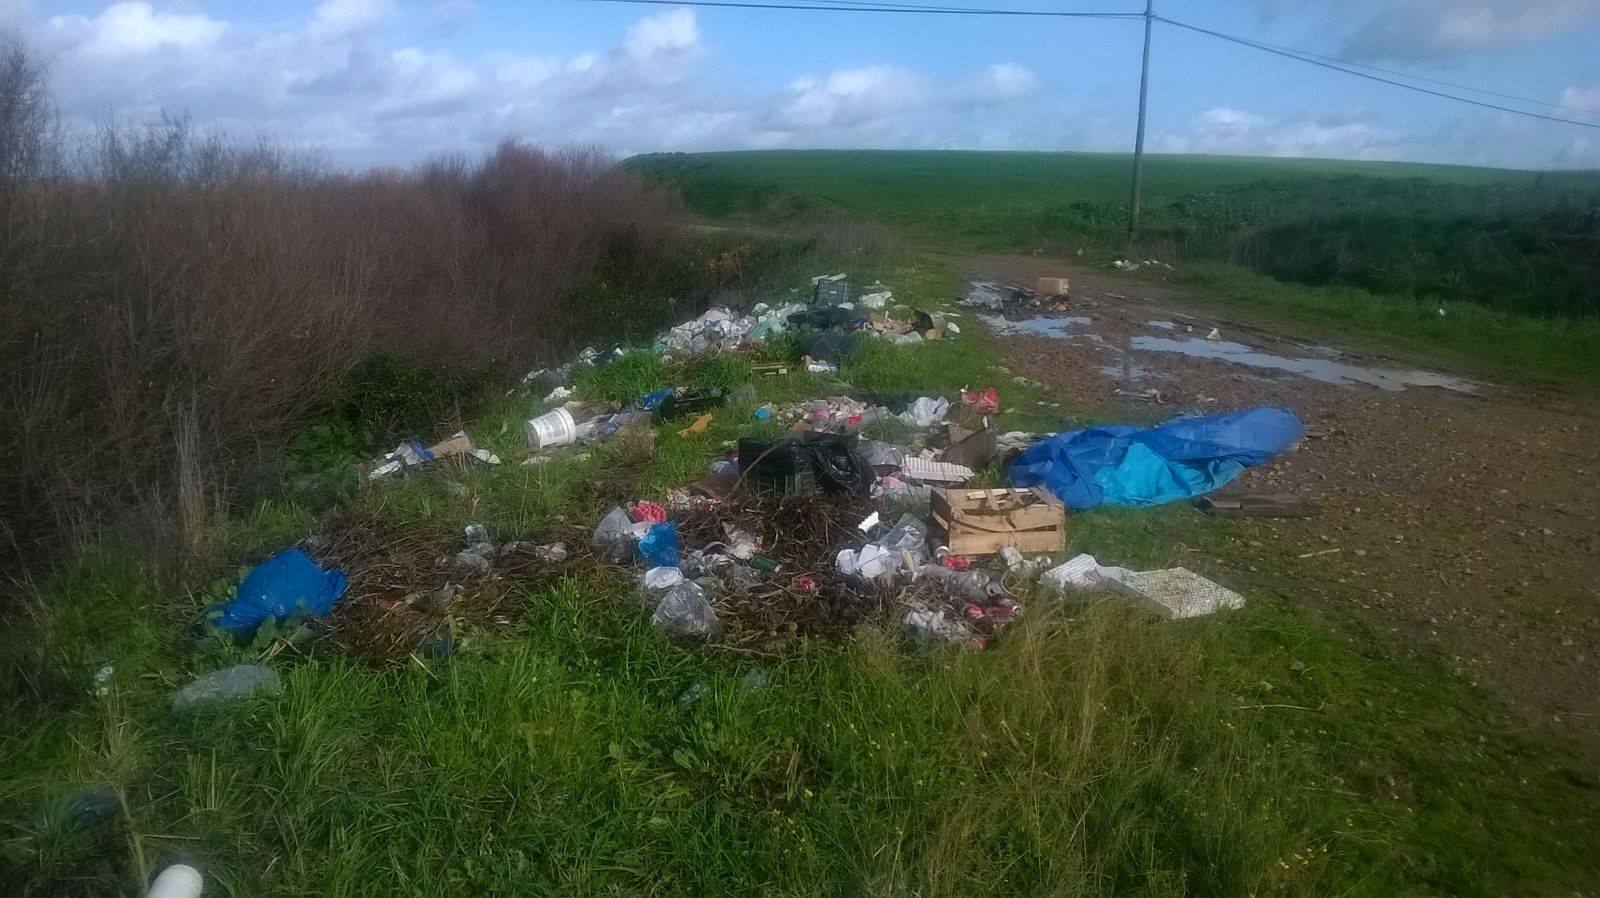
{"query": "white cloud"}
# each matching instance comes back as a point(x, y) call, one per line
point(1437, 30)
point(1003, 82)
point(132, 29)
point(1228, 131)
point(335, 19)
point(1586, 99)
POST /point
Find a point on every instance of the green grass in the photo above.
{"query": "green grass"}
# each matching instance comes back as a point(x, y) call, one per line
point(1090, 751)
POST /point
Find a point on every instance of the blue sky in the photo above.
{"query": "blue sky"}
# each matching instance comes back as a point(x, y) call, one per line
point(380, 82)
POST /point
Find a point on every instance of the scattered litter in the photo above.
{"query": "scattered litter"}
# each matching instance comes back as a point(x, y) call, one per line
point(925, 625)
point(551, 430)
point(177, 881)
point(686, 611)
point(831, 347)
point(698, 427)
point(237, 682)
point(1255, 505)
point(648, 512)
point(1173, 593)
point(916, 468)
point(1081, 572)
point(868, 522)
point(816, 367)
point(830, 288)
point(615, 536)
point(874, 301)
point(970, 448)
point(926, 411)
point(1214, 335)
point(659, 545)
point(286, 584)
point(680, 403)
point(1176, 593)
point(1051, 287)
point(983, 402)
point(555, 552)
point(1122, 464)
point(559, 394)
point(804, 462)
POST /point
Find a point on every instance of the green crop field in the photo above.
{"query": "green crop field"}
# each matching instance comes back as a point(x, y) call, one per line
point(1527, 242)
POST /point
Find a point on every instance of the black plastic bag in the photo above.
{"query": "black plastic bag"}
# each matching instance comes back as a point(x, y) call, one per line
point(828, 346)
point(822, 319)
point(826, 461)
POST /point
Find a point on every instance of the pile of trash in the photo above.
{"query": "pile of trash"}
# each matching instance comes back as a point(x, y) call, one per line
point(993, 296)
point(383, 591)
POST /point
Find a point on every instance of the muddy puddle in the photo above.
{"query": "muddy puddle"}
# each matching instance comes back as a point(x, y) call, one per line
point(1327, 370)
point(1322, 363)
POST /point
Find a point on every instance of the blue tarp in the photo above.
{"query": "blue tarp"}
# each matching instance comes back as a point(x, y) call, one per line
point(1122, 464)
point(287, 583)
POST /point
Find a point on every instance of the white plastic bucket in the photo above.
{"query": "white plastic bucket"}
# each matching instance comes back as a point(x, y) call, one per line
point(551, 429)
point(177, 881)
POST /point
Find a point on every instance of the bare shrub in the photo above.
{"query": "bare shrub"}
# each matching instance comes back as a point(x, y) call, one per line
point(175, 305)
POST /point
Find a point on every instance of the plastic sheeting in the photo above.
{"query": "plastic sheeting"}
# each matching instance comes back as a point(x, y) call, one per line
point(1122, 464)
point(285, 584)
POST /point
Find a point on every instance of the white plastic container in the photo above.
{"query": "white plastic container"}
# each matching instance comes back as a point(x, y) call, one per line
point(177, 881)
point(551, 429)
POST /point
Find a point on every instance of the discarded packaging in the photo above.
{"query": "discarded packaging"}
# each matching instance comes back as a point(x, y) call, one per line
point(239, 681)
point(1051, 286)
point(926, 411)
point(659, 545)
point(970, 448)
point(916, 468)
point(803, 462)
point(698, 427)
point(615, 535)
point(551, 429)
point(1176, 593)
point(686, 611)
point(926, 625)
point(983, 522)
point(288, 583)
point(177, 881)
point(559, 394)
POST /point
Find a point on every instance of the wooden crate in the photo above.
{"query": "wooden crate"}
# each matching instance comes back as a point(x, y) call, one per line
point(982, 522)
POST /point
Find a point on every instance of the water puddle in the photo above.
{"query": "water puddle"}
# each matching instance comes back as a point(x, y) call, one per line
point(1058, 327)
point(1322, 369)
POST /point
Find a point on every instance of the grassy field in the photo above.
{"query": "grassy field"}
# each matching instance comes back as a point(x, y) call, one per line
point(1090, 751)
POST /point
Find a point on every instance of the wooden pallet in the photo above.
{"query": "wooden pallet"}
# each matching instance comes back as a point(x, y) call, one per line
point(982, 522)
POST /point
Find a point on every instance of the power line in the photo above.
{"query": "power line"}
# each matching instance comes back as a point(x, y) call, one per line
point(1338, 67)
point(1376, 68)
point(819, 6)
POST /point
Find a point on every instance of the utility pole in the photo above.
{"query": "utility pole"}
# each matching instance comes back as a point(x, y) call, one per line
point(1138, 141)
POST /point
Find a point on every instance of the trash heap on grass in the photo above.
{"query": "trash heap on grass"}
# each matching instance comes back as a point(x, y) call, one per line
point(807, 525)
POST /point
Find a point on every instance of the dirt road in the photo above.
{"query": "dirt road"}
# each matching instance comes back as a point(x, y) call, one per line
point(1466, 517)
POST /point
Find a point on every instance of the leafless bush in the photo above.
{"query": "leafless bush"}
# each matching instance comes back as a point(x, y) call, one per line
point(174, 306)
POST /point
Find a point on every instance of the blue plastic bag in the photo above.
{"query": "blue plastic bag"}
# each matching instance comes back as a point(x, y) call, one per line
point(1121, 464)
point(287, 583)
point(659, 546)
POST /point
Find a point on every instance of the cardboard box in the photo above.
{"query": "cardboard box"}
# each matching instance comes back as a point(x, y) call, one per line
point(982, 522)
point(1051, 286)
